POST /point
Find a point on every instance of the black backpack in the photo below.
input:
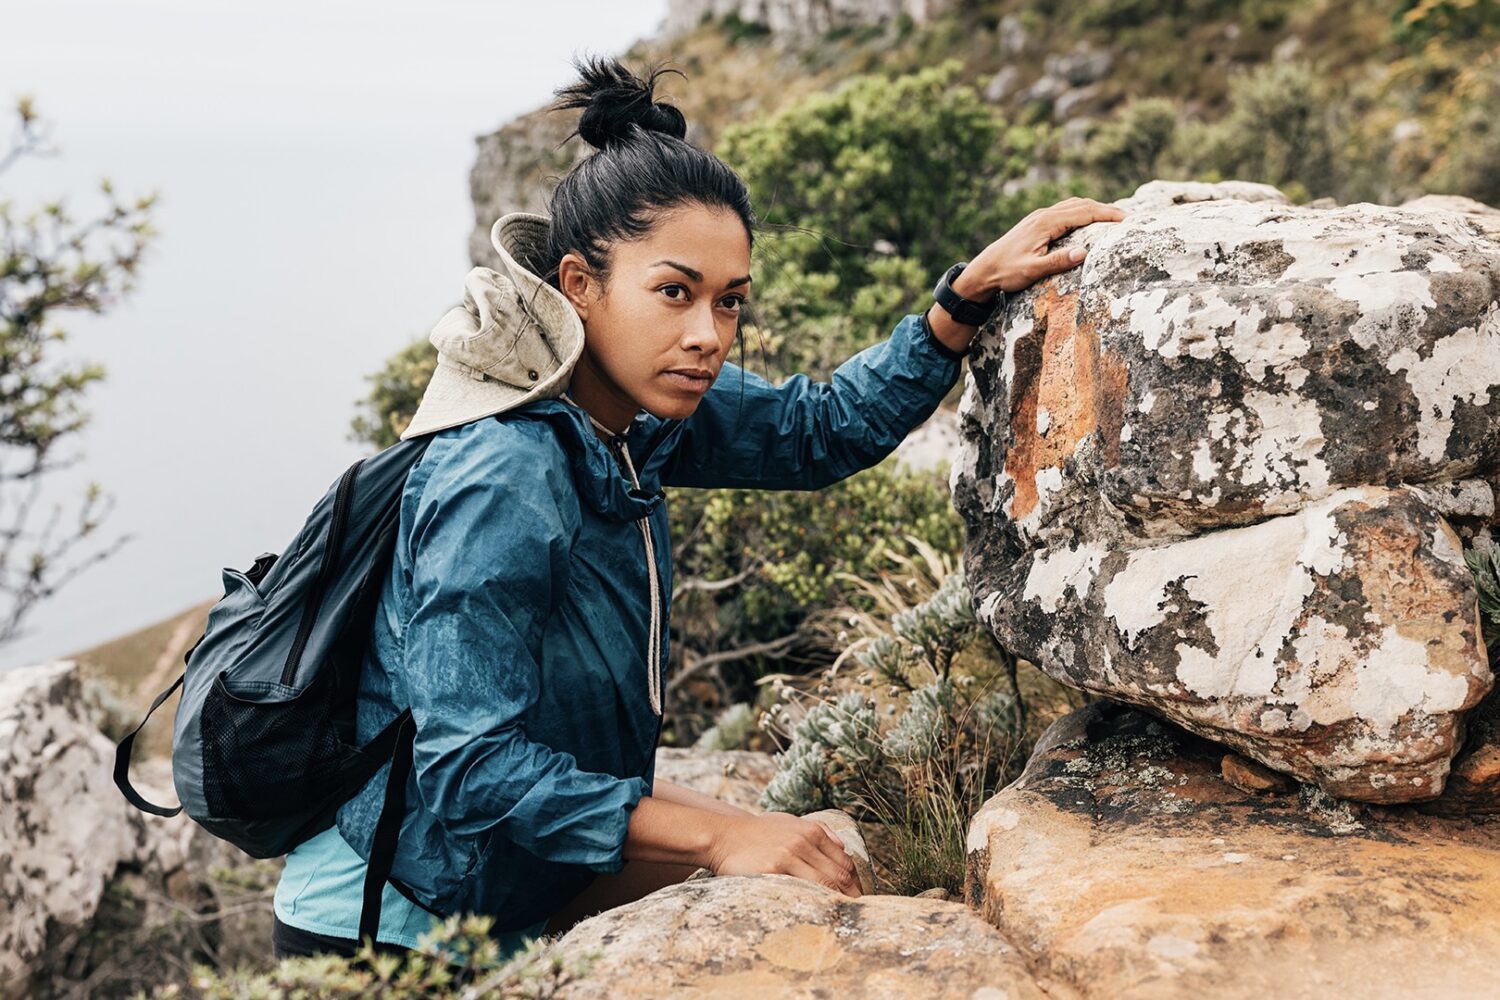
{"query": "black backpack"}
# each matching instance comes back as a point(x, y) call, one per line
point(263, 748)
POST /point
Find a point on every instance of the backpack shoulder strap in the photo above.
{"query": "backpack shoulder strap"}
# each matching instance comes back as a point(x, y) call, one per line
point(122, 759)
point(395, 739)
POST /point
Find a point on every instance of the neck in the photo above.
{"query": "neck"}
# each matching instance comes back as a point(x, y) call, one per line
point(609, 409)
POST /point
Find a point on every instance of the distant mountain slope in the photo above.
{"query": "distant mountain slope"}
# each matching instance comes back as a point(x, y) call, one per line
point(140, 664)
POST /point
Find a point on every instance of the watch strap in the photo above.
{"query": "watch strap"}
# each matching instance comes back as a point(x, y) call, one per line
point(965, 311)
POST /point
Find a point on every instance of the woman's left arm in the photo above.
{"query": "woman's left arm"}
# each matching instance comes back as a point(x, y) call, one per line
point(804, 435)
point(668, 792)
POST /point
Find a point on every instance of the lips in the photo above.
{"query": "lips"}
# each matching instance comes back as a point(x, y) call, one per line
point(692, 379)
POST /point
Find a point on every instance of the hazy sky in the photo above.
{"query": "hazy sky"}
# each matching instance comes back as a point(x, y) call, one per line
point(312, 160)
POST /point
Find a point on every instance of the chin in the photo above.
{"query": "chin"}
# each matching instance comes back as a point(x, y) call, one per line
point(674, 408)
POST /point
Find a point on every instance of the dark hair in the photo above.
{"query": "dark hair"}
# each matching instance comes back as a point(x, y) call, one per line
point(643, 165)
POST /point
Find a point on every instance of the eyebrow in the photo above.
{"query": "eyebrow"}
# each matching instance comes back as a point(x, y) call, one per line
point(698, 275)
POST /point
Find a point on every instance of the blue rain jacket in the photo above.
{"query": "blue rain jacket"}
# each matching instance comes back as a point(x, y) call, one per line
point(515, 620)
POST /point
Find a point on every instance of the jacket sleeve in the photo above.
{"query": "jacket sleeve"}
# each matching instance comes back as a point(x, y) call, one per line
point(490, 537)
point(804, 435)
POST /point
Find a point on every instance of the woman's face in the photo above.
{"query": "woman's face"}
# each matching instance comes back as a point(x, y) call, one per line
point(656, 336)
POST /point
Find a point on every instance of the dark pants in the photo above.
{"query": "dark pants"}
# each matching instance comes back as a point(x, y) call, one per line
point(294, 942)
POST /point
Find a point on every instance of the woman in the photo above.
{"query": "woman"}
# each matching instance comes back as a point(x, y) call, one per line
point(525, 618)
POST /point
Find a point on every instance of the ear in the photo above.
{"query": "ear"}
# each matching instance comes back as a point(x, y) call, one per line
point(576, 281)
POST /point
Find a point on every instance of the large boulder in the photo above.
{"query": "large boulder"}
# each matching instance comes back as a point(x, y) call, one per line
point(1123, 864)
point(97, 899)
point(1225, 470)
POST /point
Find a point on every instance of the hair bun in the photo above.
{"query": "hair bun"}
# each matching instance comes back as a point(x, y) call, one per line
point(615, 102)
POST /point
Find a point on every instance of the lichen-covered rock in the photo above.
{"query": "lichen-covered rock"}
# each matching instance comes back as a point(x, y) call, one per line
point(1123, 865)
point(64, 829)
point(1208, 472)
point(93, 894)
point(763, 936)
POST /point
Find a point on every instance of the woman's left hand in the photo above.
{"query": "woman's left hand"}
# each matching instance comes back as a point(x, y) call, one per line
point(1020, 257)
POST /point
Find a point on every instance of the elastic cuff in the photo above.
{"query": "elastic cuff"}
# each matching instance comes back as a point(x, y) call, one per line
point(937, 344)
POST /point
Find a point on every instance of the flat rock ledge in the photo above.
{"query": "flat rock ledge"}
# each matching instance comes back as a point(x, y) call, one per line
point(1124, 865)
point(763, 936)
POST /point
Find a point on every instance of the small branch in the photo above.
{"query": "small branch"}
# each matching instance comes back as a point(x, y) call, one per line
point(714, 586)
point(775, 649)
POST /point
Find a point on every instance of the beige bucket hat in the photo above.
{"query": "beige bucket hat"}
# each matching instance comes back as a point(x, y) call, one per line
point(514, 339)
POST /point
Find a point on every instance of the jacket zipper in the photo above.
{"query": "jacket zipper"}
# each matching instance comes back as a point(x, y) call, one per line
point(653, 640)
point(343, 500)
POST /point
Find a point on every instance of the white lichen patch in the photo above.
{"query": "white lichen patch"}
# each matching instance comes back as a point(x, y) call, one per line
point(1019, 328)
point(1463, 366)
point(1286, 452)
point(1252, 584)
point(1054, 573)
point(1396, 677)
point(1204, 466)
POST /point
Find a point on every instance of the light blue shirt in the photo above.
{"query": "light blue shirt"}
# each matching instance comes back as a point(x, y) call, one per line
point(340, 876)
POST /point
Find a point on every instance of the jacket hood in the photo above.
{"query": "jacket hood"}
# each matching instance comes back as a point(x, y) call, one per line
point(515, 338)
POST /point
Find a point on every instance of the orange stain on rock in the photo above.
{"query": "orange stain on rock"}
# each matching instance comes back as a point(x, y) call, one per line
point(1059, 371)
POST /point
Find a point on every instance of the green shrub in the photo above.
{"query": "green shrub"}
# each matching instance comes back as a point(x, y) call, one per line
point(868, 193)
point(397, 389)
point(1127, 150)
point(1278, 131)
point(733, 729)
point(791, 548)
point(1484, 563)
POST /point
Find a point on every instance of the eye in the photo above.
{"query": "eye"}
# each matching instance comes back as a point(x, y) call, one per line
point(736, 301)
point(674, 285)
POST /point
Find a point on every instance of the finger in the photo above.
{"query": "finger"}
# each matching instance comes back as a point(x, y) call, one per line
point(818, 875)
point(835, 851)
point(1061, 260)
point(1088, 212)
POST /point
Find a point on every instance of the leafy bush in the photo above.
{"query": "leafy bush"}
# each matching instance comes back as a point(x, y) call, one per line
point(1420, 22)
point(733, 729)
point(1278, 131)
point(863, 173)
point(393, 399)
point(1128, 149)
point(753, 566)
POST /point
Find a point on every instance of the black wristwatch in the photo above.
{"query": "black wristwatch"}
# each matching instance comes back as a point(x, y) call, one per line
point(965, 311)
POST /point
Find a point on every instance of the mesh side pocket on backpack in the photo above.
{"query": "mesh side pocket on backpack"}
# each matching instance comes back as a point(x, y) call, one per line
point(271, 759)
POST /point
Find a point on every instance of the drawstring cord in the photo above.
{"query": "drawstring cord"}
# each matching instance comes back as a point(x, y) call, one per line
point(653, 643)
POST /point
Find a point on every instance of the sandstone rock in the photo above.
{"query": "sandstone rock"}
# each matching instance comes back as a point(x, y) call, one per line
point(843, 827)
point(1473, 786)
point(1183, 466)
point(64, 829)
point(1081, 65)
point(1248, 776)
point(1122, 865)
point(778, 936)
point(1476, 212)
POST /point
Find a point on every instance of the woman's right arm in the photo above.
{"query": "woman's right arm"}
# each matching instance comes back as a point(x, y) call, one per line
point(769, 843)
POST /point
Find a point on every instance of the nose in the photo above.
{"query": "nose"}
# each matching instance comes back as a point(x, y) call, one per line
point(702, 333)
